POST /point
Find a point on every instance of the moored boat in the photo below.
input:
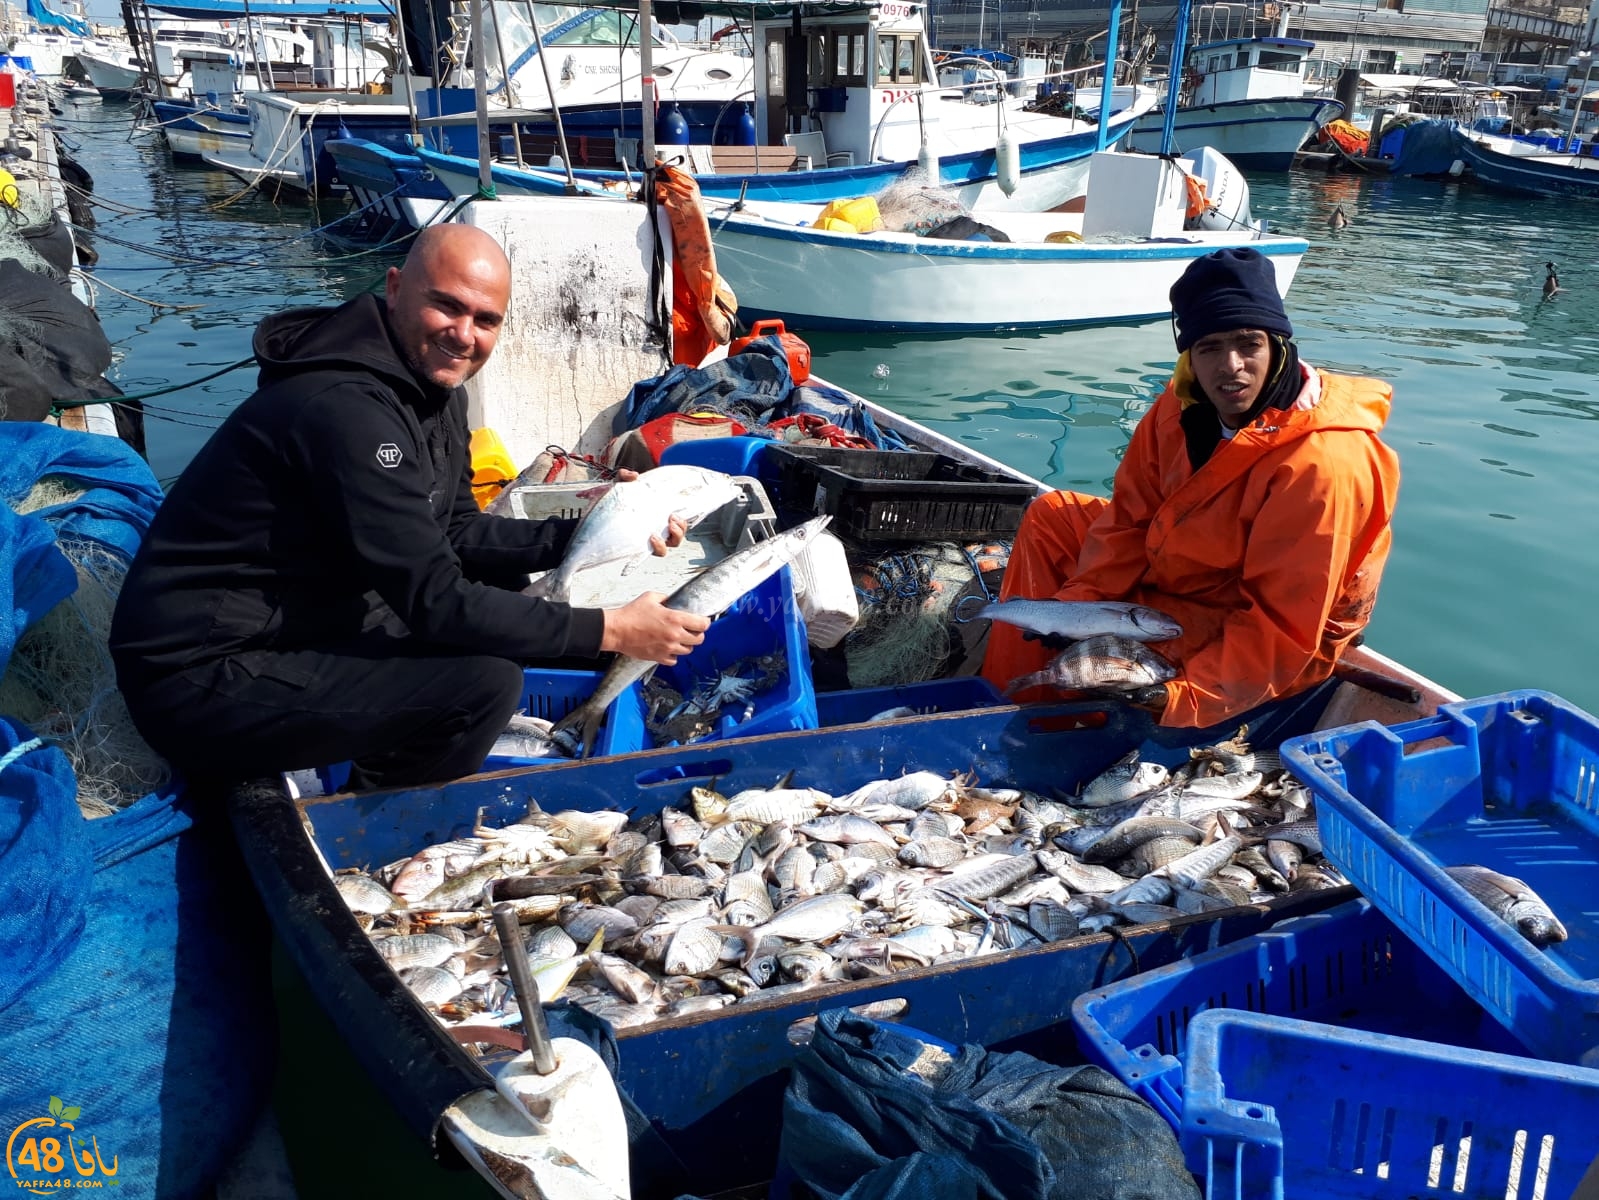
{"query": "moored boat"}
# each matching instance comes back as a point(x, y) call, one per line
point(1529, 173)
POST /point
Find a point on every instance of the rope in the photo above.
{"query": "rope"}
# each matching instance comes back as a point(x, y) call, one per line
point(156, 304)
point(19, 750)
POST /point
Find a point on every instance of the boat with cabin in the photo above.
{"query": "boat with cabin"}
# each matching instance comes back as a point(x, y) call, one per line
point(1244, 97)
point(1526, 169)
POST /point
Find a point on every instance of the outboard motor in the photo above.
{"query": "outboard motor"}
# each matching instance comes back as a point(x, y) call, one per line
point(1226, 191)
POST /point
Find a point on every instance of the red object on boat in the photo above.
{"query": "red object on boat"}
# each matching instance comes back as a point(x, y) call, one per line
point(799, 354)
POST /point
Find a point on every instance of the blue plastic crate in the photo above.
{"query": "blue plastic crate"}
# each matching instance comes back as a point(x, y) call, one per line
point(1282, 1108)
point(732, 455)
point(551, 695)
point(1509, 782)
point(1347, 966)
point(764, 621)
point(934, 696)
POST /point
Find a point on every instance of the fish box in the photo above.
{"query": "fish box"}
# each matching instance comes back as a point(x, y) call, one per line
point(734, 526)
point(1280, 1107)
point(551, 695)
point(711, 1083)
point(1348, 966)
point(764, 625)
point(1509, 782)
point(897, 495)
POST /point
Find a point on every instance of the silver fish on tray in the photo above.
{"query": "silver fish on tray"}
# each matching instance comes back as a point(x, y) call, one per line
point(1512, 901)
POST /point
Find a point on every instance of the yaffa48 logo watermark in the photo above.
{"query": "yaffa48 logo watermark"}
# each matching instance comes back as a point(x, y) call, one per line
point(45, 1154)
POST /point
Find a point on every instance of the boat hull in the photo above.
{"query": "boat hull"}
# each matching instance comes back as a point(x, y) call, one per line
point(1262, 135)
point(812, 279)
point(192, 133)
point(1049, 166)
point(1531, 174)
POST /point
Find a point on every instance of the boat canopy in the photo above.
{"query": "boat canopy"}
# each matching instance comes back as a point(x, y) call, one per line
point(227, 10)
point(48, 16)
point(674, 12)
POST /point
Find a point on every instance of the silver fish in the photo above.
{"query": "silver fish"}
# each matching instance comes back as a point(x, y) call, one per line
point(431, 985)
point(416, 950)
point(711, 592)
point(1123, 781)
point(623, 520)
point(694, 950)
point(1512, 901)
point(847, 828)
point(988, 879)
point(1083, 619)
point(365, 895)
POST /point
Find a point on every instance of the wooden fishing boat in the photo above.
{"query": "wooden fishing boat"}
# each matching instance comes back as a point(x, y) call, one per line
point(711, 1084)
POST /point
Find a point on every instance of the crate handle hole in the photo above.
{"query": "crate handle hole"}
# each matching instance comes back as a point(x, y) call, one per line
point(1200, 1121)
point(679, 772)
point(1146, 1052)
point(1254, 1114)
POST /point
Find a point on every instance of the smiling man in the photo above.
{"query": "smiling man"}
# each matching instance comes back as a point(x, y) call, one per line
point(1252, 505)
point(319, 586)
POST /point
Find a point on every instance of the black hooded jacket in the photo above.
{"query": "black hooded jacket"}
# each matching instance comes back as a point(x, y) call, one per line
point(344, 480)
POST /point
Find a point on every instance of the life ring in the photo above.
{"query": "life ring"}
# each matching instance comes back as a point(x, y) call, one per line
point(1198, 199)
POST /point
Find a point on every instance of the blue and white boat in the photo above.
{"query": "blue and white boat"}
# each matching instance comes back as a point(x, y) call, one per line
point(1243, 97)
point(1528, 170)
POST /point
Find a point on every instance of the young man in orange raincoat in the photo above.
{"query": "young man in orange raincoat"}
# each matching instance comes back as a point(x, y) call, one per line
point(1252, 505)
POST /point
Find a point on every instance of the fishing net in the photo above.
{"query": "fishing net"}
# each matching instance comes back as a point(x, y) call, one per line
point(61, 681)
point(31, 212)
point(913, 205)
point(915, 605)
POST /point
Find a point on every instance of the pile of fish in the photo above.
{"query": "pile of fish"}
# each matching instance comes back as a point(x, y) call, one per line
point(729, 898)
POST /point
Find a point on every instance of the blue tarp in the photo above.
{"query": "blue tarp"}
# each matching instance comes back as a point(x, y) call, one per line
point(135, 1011)
point(1428, 148)
point(48, 16)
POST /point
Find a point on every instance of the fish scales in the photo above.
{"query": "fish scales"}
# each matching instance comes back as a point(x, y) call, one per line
point(989, 880)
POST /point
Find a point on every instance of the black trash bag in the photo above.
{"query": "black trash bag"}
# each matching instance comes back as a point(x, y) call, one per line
point(872, 1106)
point(52, 348)
point(52, 241)
point(964, 229)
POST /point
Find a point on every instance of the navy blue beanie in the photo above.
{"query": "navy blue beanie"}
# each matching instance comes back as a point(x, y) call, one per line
point(1230, 289)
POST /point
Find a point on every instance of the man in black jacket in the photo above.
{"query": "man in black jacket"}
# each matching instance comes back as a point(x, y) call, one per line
point(319, 584)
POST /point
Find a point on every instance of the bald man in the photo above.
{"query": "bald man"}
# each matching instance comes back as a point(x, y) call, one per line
point(320, 587)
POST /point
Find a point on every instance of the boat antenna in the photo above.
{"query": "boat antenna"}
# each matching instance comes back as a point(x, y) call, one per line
point(549, 86)
point(1107, 83)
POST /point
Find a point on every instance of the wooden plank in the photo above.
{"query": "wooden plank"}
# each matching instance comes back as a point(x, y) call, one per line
point(744, 160)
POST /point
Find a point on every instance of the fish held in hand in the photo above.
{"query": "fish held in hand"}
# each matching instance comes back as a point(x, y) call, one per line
point(1100, 664)
point(1512, 901)
point(621, 523)
point(708, 594)
point(1082, 619)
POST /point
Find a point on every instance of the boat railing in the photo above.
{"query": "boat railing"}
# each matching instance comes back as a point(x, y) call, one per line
point(942, 89)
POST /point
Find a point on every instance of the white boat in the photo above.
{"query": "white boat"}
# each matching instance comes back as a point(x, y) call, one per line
point(1114, 261)
point(288, 132)
point(1243, 97)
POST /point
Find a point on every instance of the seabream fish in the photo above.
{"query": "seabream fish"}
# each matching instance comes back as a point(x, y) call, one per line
point(1105, 663)
point(1081, 619)
point(621, 523)
point(708, 594)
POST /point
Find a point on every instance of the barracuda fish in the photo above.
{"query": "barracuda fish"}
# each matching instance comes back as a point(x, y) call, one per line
point(623, 520)
point(712, 901)
point(712, 592)
point(1512, 901)
point(1100, 663)
point(1083, 619)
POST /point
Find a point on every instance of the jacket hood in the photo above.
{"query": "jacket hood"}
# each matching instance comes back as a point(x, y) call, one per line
point(353, 336)
point(1317, 407)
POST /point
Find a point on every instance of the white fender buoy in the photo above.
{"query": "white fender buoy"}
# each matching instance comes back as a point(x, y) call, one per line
point(927, 160)
point(1457, 168)
point(1008, 163)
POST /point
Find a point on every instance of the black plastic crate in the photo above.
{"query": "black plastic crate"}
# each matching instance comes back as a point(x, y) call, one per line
point(898, 496)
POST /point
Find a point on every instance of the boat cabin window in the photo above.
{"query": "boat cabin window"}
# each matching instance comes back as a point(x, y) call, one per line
point(1219, 62)
point(898, 58)
point(1276, 60)
point(846, 57)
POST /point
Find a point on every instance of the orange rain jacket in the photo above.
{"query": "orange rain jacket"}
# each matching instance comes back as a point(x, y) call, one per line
point(1269, 555)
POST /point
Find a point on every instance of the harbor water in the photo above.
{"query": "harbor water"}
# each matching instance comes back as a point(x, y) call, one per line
point(1435, 287)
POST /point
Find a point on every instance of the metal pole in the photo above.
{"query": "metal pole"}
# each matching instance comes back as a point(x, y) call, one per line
point(1174, 84)
point(560, 127)
point(1108, 83)
point(646, 71)
point(480, 86)
point(535, 1033)
point(1576, 112)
